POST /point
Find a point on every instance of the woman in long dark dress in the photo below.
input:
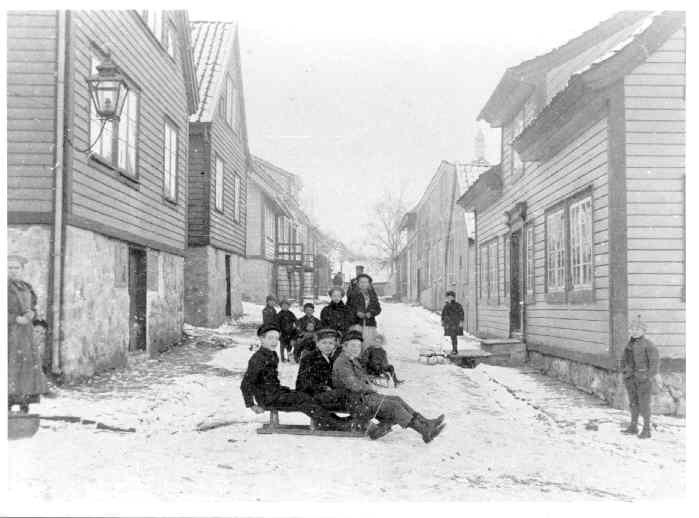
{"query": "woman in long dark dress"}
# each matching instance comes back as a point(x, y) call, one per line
point(26, 381)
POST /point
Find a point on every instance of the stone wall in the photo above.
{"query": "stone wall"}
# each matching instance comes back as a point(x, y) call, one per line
point(165, 317)
point(256, 280)
point(609, 385)
point(205, 286)
point(33, 242)
point(96, 304)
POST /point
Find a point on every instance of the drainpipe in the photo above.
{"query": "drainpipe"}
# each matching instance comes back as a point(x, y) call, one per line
point(55, 292)
point(477, 272)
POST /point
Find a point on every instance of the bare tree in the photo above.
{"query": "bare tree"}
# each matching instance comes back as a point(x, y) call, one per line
point(384, 239)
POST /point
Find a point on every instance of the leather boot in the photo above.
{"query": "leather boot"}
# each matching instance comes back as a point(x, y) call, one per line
point(428, 429)
point(632, 429)
point(436, 421)
point(376, 431)
point(645, 433)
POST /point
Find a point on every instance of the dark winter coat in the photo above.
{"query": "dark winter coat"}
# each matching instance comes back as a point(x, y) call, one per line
point(261, 381)
point(25, 378)
point(374, 360)
point(452, 318)
point(349, 374)
point(315, 372)
point(640, 359)
point(336, 316)
point(303, 322)
point(287, 324)
point(269, 315)
point(357, 303)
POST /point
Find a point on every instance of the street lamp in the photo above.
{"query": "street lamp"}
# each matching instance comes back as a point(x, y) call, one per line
point(108, 90)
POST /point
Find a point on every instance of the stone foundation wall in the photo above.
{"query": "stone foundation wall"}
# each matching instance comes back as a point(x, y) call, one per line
point(205, 286)
point(95, 304)
point(165, 316)
point(256, 280)
point(33, 242)
point(609, 385)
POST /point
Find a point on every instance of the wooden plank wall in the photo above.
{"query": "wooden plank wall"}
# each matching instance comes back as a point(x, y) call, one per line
point(254, 220)
point(31, 110)
point(583, 163)
point(198, 185)
point(655, 170)
point(98, 196)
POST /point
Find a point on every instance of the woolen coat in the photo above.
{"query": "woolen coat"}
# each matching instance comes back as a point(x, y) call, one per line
point(336, 316)
point(640, 359)
point(452, 318)
point(358, 303)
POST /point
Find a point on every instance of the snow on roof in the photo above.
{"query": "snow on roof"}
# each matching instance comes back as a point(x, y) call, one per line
point(211, 45)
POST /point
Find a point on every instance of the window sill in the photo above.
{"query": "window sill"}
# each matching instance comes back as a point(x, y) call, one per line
point(117, 173)
point(581, 296)
point(220, 211)
point(556, 297)
point(170, 201)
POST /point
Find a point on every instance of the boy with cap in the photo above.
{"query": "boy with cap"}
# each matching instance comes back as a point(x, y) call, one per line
point(349, 374)
point(287, 327)
point(307, 325)
point(453, 320)
point(640, 368)
point(262, 390)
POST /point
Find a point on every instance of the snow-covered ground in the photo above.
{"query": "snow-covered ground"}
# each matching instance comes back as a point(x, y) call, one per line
point(511, 434)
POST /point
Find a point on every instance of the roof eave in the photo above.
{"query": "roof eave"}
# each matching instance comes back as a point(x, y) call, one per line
point(484, 191)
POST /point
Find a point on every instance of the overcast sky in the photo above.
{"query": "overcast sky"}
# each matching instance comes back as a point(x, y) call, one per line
point(367, 97)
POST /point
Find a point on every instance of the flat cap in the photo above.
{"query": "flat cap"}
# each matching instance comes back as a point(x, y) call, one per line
point(353, 335)
point(265, 328)
point(327, 333)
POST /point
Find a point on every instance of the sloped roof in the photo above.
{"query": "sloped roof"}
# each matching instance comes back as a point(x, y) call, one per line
point(212, 43)
point(192, 91)
point(519, 82)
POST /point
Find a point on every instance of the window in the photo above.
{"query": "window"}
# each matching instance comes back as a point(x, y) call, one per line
point(580, 217)
point(506, 266)
point(117, 143)
point(517, 166)
point(219, 184)
point(170, 162)
point(483, 271)
point(236, 197)
point(170, 40)
point(529, 263)
point(493, 269)
point(556, 252)
point(269, 223)
point(231, 103)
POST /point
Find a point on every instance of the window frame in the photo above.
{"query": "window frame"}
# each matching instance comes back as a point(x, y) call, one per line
point(173, 194)
point(530, 262)
point(517, 174)
point(506, 271)
point(112, 162)
point(219, 189)
point(237, 197)
point(231, 109)
point(170, 37)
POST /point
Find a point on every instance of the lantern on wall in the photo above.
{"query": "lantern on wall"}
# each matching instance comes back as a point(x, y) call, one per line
point(108, 90)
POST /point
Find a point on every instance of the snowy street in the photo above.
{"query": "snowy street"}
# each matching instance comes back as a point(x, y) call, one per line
point(511, 434)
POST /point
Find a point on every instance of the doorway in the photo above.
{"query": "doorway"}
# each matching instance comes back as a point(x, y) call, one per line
point(228, 285)
point(138, 287)
point(516, 302)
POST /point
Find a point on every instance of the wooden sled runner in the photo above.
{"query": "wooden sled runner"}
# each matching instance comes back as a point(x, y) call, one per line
point(274, 427)
point(468, 358)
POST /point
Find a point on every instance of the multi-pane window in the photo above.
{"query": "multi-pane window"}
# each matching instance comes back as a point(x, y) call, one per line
point(170, 161)
point(580, 217)
point(219, 183)
point(529, 263)
point(556, 252)
point(493, 269)
point(506, 266)
point(236, 197)
point(170, 40)
point(117, 142)
point(231, 102)
point(517, 128)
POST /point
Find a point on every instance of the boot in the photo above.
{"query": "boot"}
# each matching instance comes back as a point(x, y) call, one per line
point(631, 430)
point(436, 421)
point(645, 433)
point(428, 429)
point(376, 431)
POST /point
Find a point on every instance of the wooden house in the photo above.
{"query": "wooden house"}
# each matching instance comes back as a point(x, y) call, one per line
point(581, 227)
point(219, 160)
point(99, 208)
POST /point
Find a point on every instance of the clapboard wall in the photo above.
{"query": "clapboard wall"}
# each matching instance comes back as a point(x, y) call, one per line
point(655, 172)
point(31, 114)
point(101, 198)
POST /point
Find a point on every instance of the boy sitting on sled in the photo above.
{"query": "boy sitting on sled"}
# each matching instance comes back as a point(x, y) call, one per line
point(375, 361)
point(262, 390)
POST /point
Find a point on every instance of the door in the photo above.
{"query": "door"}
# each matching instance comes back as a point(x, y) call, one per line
point(228, 285)
point(516, 302)
point(138, 287)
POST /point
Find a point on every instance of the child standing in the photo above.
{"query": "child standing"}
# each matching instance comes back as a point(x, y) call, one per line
point(287, 325)
point(640, 367)
point(307, 325)
point(453, 320)
point(269, 314)
point(336, 315)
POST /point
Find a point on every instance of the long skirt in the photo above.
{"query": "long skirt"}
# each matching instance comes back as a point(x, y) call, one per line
point(25, 377)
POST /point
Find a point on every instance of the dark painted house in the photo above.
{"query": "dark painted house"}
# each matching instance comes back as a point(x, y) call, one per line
point(218, 169)
point(581, 227)
point(100, 212)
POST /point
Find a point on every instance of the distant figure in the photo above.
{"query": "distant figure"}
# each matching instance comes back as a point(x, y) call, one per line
point(336, 315)
point(364, 307)
point(287, 325)
point(25, 378)
point(640, 368)
point(338, 279)
point(375, 360)
point(269, 313)
point(453, 320)
point(307, 325)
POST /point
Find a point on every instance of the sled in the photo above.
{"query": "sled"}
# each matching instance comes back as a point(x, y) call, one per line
point(468, 358)
point(274, 427)
point(432, 356)
point(21, 426)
